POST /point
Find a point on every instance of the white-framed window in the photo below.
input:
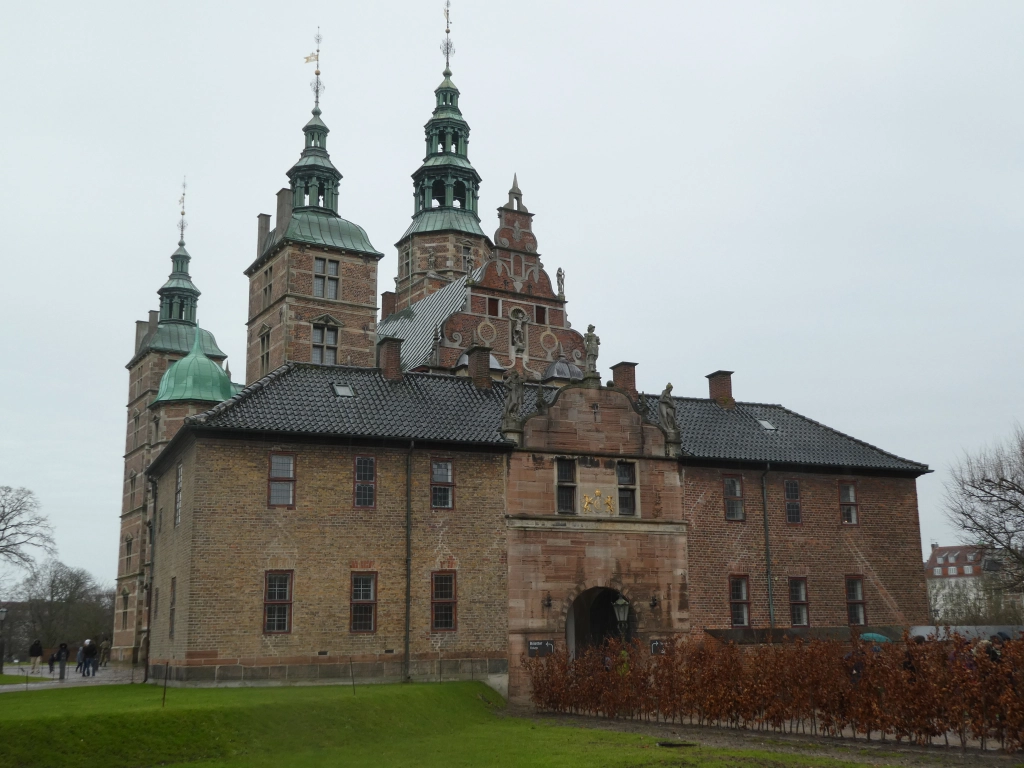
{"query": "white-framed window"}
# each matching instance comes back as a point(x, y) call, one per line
point(951, 570)
point(937, 571)
point(968, 570)
point(848, 503)
point(733, 492)
point(940, 559)
point(442, 485)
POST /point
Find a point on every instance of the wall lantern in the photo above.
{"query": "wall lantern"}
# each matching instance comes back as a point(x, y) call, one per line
point(621, 607)
point(546, 602)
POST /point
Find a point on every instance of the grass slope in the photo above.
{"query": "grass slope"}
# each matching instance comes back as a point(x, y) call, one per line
point(19, 678)
point(383, 725)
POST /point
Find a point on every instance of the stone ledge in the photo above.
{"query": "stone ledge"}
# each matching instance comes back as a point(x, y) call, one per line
point(598, 524)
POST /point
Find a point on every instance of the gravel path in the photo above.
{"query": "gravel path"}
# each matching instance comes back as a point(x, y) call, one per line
point(105, 676)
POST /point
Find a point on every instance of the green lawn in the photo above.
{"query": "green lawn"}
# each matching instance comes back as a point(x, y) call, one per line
point(18, 677)
point(383, 725)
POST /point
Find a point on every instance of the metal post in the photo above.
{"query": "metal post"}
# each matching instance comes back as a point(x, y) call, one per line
point(351, 676)
point(167, 666)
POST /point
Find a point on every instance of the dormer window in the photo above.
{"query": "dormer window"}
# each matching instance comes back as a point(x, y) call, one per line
point(940, 559)
point(325, 345)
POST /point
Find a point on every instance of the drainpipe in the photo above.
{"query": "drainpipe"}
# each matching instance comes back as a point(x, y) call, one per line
point(767, 547)
point(408, 554)
point(152, 565)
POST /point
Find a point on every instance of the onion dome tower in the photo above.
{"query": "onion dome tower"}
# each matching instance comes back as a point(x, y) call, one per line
point(195, 378)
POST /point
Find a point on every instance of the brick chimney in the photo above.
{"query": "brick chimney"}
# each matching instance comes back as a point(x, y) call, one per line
point(284, 211)
point(720, 387)
point(387, 304)
point(262, 230)
point(624, 377)
point(480, 366)
point(389, 358)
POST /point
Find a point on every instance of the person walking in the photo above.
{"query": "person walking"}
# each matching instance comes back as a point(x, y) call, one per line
point(89, 651)
point(53, 660)
point(105, 652)
point(35, 652)
point(62, 658)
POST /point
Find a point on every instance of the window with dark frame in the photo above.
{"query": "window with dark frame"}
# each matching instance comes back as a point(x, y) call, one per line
point(265, 353)
point(406, 269)
point(467, 258)
point(493, 308)
point(124, 610)
point(177, 496)
point(268, 286)
point(128, 555)
point(363, 607)
point(277, 602)
point(160, 520)
point(793, 511)
point(733, 492)
point(135, 432)
point(625, 473)
point(282, 480)
point(856, 608)
point(566, 477)
point(442, 601)
point(798, 615)
point(848, 504)
point(739, 601)
point(541, 315)
point(131, 483)
point(325, 278)
point(442, 485)
point(365, 492)
point(170, 612)
point(325, 345)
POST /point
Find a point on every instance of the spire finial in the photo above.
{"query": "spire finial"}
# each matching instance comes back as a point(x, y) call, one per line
point(317, 86)
point(447, 47)
point(182, 224)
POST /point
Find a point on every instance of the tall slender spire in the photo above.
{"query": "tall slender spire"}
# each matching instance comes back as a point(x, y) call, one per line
point(179, 295)
point(447, 48)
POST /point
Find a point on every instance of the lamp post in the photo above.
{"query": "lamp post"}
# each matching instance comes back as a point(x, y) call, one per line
point(3, 617)
point(621, 607)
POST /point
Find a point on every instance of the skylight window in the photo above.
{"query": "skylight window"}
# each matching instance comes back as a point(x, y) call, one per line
point(344, 390)
point(766, 424)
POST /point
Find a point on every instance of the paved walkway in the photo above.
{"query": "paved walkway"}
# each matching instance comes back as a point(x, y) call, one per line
point(105, 676)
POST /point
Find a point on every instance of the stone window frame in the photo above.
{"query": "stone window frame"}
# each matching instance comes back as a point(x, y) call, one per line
point(124, 609)
point(805, 603)
point(268, 286)
point(128, 542)
point(271, 479)
point(745, 601)
point(449, 485)
point(267, 602)
point(171, 608)
point(853, 505)
point(353, 602)
point(726, 498)
point(796, 502)
point(573, 484)
point(323, 345)
point(179, 472)
point(264, 354)
point(325, 280)
point(860, 602)
point(356, 482)
point(453, 601)
point(634, 488)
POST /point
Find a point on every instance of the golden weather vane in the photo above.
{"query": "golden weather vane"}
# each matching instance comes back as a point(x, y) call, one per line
point(317, 86)
point(447, 47)
point(182, 224)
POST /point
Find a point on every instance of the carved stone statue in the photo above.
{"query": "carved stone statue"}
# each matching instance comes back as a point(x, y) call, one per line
point(518, 330)
point(513, 400)
point(591, 342)
point(560, 277)
point(667, 413)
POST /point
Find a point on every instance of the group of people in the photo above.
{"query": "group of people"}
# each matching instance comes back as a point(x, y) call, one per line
point(89, 657)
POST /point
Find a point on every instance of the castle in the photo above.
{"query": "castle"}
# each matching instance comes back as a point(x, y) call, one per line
point(440, 492)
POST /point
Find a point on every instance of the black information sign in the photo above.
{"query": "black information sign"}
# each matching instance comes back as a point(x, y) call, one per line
point(657, 648)
point(540, 648)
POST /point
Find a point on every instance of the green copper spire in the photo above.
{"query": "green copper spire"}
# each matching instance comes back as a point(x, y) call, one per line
point(446, 187)
point(195, 377)
point(179, 295)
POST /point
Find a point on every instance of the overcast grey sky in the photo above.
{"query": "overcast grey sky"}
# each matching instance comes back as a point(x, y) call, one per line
point(823, 197)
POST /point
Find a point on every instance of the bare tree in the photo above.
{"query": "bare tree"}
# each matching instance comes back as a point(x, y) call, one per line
point(58, 603)
point(22, 526)
point(985, 500)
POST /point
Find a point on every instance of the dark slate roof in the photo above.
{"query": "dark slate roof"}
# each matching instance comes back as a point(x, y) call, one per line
point(709, 431)
point(299, 397)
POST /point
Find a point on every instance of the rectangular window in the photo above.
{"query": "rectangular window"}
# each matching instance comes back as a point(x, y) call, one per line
point(937, 571)
point(160, 520)
point(951, 571)
point(798, 615)
point(467, 258)
point(739, 601)
point(177, 496)
point(156, 603)
point(493, 308)
point(124, 611)
point(848, 503)
point(566, 476)
point(128, 556)
point(282, 480)
point(855, 607)
point(541, 315)
point(442, 601)
point(793, 502)
point(442, 485)
point(406, 268)
point(625, 473)
point(968, 570)
point(365, 481)
point(265, 354)
point(970, 558)
point(170, 613)
point(268, 286)
point(734, 498)
point(325, 278)
point(277, 602)
point(363, 608)
point(325, 345)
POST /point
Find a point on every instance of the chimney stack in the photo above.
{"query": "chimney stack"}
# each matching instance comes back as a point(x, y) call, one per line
point(935, 545)
point(720, 388)
point(624, 377)
point(387, 304)
point(262, 230)
point(480, 366)
point(284, 211)
point(389, 358)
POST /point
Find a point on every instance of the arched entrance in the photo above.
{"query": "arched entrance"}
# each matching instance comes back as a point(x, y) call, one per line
point(591, 619)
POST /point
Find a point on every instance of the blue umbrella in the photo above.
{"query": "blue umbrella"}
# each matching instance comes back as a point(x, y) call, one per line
point(874, 637)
